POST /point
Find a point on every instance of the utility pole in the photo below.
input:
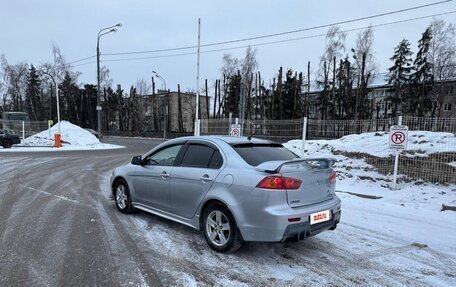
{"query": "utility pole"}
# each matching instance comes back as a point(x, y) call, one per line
point(109, 30)
point(308, 89)
point(197, 126)
point(166, 103)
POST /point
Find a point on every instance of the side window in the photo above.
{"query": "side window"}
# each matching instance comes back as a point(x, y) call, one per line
point(216, 160)
point(166, 156)
point(197, 155)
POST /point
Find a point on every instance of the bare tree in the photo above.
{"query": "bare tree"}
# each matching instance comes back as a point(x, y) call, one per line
point(142, 89)
point(365, 69)
point(334, 49)
point(179, 109)
point(364, 45)
point(2, 78)
point(105, 79)
point(188, 102)
point(335, 45)
point(249, 66)
point(442, 56)
point(230, 65)
point(61, 66)
point(15, 77)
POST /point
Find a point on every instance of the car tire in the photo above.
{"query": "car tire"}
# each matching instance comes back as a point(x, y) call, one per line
point(7, 143)
point(122, 196)
point(220, 229)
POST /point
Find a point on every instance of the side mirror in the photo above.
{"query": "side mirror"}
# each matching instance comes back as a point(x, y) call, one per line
point(136, 160)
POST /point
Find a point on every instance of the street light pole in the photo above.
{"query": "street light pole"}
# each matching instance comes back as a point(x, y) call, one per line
point(101, 33)
point(197, 122)
point(56, 96)
point(243, 90)
point(166, 103)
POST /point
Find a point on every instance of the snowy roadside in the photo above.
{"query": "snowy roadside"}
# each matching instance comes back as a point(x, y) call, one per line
point(356, 175)
point(73, 137)
point(401, 239)
point(413, 211)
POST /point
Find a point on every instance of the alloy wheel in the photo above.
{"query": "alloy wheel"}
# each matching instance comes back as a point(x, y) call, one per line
point(121, 197)
point(218, 228)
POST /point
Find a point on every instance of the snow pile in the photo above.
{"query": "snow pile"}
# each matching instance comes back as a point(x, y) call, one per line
point(349, 152)
point(73, 137)
point(420, 143)
point(400, 239)
point(347, 168)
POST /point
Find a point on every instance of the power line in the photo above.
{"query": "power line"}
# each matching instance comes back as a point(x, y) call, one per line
point(283, 33)
point(80, 60)
point(271, 42)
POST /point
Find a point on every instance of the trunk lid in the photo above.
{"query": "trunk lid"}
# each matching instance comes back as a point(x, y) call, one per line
point(314, 174)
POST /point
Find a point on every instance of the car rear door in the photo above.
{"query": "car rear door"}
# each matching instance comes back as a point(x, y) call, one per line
point(151, 179)
point(193, 177)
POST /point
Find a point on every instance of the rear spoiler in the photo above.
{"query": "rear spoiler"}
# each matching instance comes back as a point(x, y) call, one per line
point(276, 165)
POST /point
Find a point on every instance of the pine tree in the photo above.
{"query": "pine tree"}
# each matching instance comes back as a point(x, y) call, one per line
point(344, 100)
point(420, 100)
point(70, 100)
point(323, 102)
point(89, 112)
point(399, 74)
point(232, 94)
point(290, 105)
point(33, 97)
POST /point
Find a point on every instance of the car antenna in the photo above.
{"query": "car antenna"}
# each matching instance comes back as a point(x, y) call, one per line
point(251, 135)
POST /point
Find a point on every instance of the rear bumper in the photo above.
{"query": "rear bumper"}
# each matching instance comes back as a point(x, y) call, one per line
point(272, 224)
point(301, 231)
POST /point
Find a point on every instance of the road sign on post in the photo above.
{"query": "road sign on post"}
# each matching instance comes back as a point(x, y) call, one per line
point(235, 130)
point(398, 137)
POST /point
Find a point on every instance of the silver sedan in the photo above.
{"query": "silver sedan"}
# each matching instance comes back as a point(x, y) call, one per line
point(234, 189)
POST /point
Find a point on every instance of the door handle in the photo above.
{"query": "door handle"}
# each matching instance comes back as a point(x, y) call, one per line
point(164, 175)
point(205, 178)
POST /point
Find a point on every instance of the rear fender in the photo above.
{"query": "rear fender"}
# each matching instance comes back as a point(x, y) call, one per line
point(224, 197)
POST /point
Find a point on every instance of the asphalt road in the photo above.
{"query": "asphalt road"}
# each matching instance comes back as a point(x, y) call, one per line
point(58, 227)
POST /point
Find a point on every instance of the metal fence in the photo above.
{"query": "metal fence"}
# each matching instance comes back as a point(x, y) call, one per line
point(430, 155)
point(23, 128)
point(276, 130)
point(335, 129)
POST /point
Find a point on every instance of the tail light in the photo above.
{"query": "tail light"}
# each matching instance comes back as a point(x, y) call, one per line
point(332, 178)
point(279, 182)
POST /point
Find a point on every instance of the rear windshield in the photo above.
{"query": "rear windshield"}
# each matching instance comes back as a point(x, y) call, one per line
point(255, 154)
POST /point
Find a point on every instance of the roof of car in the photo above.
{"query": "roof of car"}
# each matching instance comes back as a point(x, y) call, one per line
point(232, 140)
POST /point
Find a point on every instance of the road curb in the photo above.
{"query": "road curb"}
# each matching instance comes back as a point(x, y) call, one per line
point(361, 195)
point(448, 207)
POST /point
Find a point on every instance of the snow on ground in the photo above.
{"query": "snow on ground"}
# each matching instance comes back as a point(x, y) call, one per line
point(401, 239)
point(411, 202)
point(353, 173)
point(420, 143)
point(73, 138)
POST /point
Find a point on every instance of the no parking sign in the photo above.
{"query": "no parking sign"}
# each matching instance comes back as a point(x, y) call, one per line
point(398, 137)
point(235, 130)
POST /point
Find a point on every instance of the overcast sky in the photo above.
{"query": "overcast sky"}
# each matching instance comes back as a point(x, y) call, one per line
point(29, 28)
